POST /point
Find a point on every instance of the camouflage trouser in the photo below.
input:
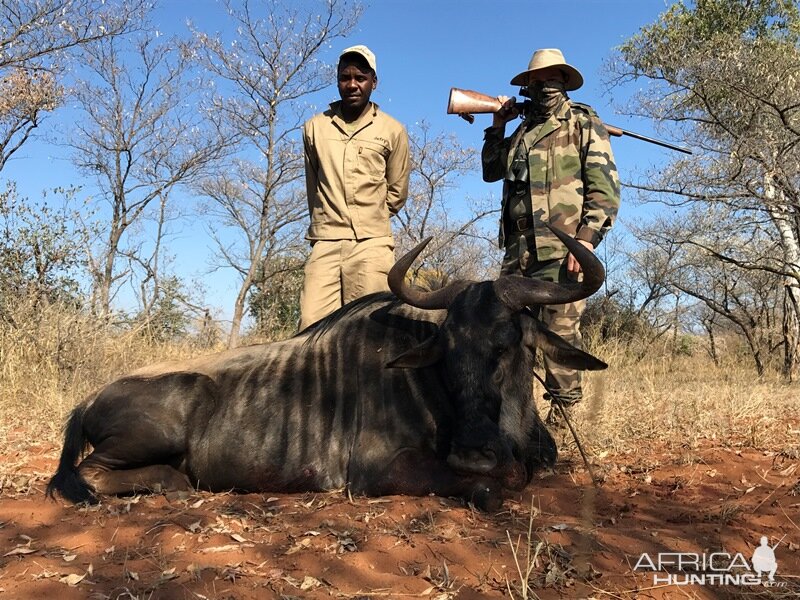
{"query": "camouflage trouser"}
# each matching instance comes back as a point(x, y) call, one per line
point(563, 319)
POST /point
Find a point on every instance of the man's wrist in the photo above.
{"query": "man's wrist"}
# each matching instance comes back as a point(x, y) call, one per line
point(587, 234)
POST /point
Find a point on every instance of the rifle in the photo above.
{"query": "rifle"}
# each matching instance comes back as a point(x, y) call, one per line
point(466, 102)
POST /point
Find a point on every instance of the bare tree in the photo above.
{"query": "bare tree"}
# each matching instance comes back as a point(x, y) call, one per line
point(736, 292)
point(460, 248)
point(153, 283)
point(270, 66)
point(37, 42)
point(142, 135)
point(255, 236)
point(723, 75)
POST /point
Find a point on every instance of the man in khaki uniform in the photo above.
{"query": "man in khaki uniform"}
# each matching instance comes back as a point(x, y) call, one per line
point(357, 170)
point(557, 168)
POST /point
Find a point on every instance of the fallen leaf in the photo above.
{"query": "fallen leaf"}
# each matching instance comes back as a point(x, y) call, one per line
point(238, 538)
point(198, 504)
point(20, 550)
point(310, 583)
point(72, 580)
point(193, 527)
point(44, 575)
point(304, 543)
point(226, 548)
point(347, 545)
point(291, 580)
point(69, 557)
point(427, 591)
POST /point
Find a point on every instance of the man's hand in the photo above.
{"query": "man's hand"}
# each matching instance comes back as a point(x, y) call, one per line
point(506, 113)
point(573, 266)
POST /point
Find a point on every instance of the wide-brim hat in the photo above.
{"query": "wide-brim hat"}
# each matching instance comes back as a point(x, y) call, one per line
point(364, 52)
point(551, 57)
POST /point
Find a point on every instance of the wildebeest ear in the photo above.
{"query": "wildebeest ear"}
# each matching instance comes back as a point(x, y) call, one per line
point(422, 355)
point(556, 348)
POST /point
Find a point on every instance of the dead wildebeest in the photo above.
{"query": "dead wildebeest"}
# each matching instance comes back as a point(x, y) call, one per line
point(426, 392)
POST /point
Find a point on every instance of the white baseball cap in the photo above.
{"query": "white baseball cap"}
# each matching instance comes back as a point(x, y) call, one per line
point(362, 51)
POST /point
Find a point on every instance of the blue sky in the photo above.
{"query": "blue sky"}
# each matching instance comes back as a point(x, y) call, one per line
point(423, 48)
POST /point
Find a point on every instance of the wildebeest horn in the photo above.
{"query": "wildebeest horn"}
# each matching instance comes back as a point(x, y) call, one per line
point(413, 295)
point(517, 292)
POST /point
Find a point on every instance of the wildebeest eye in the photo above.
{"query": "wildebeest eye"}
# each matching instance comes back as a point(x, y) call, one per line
point(505, 337)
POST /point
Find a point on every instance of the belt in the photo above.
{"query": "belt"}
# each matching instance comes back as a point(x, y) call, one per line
point(519, 224)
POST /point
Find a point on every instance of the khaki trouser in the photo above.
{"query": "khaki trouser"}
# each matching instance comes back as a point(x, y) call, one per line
point(340, 271)
point(562, 319)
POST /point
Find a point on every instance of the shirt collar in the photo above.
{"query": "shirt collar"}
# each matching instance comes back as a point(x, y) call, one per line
point(562, 112)
point(336, 109)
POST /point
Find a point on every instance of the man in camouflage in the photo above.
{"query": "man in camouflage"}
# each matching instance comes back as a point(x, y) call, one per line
point(557, 167)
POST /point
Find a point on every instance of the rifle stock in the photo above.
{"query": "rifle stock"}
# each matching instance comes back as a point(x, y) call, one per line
point(465, 103)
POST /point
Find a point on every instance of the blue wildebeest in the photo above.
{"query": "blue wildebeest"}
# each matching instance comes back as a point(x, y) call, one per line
point(425, 392)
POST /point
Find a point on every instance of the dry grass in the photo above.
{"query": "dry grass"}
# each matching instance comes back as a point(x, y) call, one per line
point(682, 399)
point(52, 357)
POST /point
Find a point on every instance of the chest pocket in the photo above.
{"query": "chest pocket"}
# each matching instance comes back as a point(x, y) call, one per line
point(540, 167)
point(567, 160)
point(371, 159)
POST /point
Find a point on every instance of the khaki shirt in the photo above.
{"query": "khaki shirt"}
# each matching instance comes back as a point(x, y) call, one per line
point(356, 180)
point(573, 180)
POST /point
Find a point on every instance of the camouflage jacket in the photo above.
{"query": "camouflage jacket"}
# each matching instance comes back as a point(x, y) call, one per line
point(574, 184)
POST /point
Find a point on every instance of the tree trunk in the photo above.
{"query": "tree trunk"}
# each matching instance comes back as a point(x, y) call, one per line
point(708, 325)
point(791, 332)
point(780, 212)
point(238, 313)
point(241, 297)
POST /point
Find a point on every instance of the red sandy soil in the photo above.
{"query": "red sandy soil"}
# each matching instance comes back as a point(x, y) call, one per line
point(707, 498)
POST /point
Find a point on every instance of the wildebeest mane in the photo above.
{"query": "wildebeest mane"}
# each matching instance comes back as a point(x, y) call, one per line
point(321, 327)
point(387, 310)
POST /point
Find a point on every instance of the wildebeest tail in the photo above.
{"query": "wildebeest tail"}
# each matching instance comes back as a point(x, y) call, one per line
point(67, 481)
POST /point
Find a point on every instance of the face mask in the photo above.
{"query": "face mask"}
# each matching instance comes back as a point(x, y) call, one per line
point(546, 96)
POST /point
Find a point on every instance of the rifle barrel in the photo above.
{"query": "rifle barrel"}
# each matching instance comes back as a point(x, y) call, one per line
point(618, 131)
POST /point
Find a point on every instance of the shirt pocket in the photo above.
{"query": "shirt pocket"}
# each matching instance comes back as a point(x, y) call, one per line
point(371, 162)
